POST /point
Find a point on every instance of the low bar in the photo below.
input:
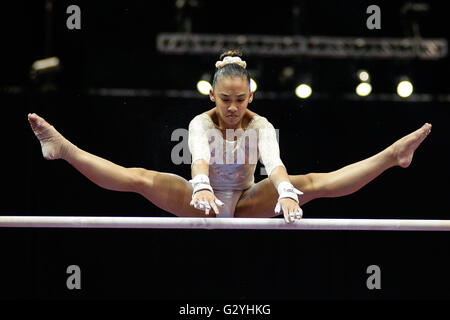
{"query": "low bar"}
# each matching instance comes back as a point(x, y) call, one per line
point(221, 223)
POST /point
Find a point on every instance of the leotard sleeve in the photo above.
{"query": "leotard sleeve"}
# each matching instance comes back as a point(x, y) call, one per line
point(198, 138)
point(268, 145)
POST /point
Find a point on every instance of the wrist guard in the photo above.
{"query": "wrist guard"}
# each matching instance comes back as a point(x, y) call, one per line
point(200, 182)
point(287, 190)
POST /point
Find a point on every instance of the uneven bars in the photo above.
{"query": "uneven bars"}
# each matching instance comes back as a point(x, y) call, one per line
point(221, 223)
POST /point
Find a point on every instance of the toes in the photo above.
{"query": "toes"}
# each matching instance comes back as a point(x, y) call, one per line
point(33, 119)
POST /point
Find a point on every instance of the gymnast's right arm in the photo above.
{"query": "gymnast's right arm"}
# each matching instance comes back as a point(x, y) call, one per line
point(203, 195)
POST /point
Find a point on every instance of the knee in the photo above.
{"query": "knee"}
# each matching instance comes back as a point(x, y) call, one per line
point(316, 184)
point(141, 179)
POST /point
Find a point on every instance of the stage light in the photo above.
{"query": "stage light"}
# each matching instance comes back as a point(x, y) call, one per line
point(203, 87)
point(303, 91)
point(363, 75)
point(363, 89)
point(405, 88)
point(253, 85)
point(44, 66)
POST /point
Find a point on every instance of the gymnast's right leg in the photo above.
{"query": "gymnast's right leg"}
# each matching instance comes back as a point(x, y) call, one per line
point(167, 191)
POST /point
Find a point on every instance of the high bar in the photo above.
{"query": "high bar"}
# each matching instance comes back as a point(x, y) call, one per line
point(221, 223)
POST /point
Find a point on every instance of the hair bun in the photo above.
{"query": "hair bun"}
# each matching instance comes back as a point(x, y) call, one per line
point(230, 56)
point(237, 68)
point(228, 60)
point(231, 53)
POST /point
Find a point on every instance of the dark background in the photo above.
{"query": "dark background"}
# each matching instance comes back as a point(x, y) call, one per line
point(116, 48)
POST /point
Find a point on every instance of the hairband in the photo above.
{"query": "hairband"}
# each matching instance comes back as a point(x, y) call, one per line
point(227, 60)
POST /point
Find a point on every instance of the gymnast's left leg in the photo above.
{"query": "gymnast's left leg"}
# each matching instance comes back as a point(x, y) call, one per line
point(260, 199)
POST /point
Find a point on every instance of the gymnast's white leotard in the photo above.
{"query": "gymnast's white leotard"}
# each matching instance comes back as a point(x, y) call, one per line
point(232, 163)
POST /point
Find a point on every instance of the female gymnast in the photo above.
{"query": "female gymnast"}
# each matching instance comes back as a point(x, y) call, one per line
point(228, 188)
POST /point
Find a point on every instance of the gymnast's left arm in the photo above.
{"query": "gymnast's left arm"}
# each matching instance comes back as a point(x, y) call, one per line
point(270, 157)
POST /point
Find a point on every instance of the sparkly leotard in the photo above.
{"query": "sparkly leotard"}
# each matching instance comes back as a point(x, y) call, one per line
point(232, 163)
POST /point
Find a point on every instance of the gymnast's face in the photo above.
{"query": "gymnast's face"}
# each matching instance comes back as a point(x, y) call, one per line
point(232, 96)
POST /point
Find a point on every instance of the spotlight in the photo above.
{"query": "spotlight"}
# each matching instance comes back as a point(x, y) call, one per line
point(286, 74)
point(303, 91)
point(44, 66)
point(363, 89)
point(253, 85)
point(363, 75)
point(203, 87)
point(405, 88)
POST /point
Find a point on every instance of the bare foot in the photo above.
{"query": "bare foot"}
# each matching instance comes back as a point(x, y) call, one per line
point(403, 149)
point(53, 144)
